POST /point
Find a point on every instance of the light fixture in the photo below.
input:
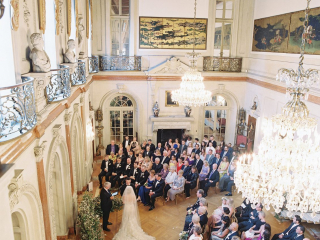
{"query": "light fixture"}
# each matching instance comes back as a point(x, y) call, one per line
point(285, 173)
point(192, 91)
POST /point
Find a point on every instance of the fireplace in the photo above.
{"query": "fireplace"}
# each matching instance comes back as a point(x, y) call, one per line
point(163, 135)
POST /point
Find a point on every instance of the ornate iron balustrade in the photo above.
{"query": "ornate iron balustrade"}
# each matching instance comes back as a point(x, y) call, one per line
point(120, 63)
point(79, 75)
point(59, 86)
point(222, 64)
point(93, 64)
point(17, 109)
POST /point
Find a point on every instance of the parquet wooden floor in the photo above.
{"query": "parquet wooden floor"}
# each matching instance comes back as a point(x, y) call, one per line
point(166, 222)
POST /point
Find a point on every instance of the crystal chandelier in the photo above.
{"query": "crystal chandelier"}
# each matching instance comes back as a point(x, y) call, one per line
point(285, 172)
point(192, 91)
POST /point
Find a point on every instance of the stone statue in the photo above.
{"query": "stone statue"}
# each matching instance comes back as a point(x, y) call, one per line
point(70, 56)
point(187, 111)
point(254, 106)
point(156, 110)
point(40, 59)
point(80, 33)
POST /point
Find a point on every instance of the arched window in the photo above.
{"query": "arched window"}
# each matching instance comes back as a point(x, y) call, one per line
point(216, 117)
point(19, 228)
point(50, 34)
point(121, 118)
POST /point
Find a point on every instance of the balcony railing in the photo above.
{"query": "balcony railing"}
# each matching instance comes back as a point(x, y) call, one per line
point(222, 64)
point(79, 75)
point(59, 86)
point(17, 109)
point(93, 64)
point(120, 63)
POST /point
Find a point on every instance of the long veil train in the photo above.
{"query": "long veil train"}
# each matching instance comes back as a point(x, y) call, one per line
point(130, 227)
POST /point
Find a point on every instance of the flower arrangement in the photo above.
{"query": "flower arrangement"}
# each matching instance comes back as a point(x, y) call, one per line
point(97, 206)
point(117, 204)
point(189, 211)
point(183, 235)
point(88, 219)
point(146, 184)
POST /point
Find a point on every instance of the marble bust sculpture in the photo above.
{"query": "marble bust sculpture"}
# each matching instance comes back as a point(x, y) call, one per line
point(40, 59)
point(70, 56)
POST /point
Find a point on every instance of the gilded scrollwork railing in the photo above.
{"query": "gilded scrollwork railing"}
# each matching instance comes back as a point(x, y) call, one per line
point(59, 87)
point(78, 77)
point(222, 64)
point(17, 109)
point(120, 63)
point(93, 64)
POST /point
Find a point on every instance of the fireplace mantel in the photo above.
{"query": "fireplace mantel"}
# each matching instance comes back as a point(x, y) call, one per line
point(171, 122)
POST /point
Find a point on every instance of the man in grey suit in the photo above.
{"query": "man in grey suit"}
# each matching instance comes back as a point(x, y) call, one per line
point(210, 157)
point(183, 147)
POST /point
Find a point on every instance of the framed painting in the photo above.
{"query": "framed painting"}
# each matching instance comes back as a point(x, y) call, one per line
point(172, 33)
point(169, 102)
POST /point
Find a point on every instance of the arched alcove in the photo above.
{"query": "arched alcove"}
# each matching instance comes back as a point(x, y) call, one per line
point(59, 187)
point(19, 226)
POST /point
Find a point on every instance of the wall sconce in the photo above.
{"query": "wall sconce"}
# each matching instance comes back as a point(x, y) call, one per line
point(89, 131)
point(2, 7)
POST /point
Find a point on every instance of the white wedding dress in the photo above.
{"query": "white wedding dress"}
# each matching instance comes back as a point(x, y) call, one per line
point(130, 228)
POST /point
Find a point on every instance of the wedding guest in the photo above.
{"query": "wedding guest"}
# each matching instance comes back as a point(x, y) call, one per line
point(192, 158)
point(225, 179)
point(127, 169)
point(122, 156)
point(186, 169)
point(200, 211)
point(234, 157)
point(265, 233)
point(171, 176)
point(140, 158)
point(127, 183)
point(134, 146)
point(189, 149)
point(203, 155)
point(132, 156)
point(191, 181)
point(200, 194)
point(203, 146)
point(143, 146)
point(126, 142)
point(210, 157)
point(169, 143)
point(134, 173)
point(164, 158)
point(256, 229)
point(217, 160)
point(213, 141)
point(184, 155)
point(195, 222)
point(176, 144)
point(160, 148)
point(205, 139)
point(168, 150)
point(226, 153)
point(176, 153)
point(112, 157)
point(196, 141)
point(142, 178)
point(211, 180)
point(164, 171)
point(173, 163)
point(151, 145)
point(183, 147)
point(189, 139)
point(299, 233)
point(218, 149)
point(122, 149)
point(157, 166)
point(147, 162)
point(148, 153)
point(203, 174)
point(223, 230)
point(177, 186)
point(216, 224)
point(198, 163)
point(179, 164)
point(196, 234)
point(106, 205)
point(233, 231)
point(112, 148)
point(116, 173)
point(223, 167)
point(210, 147)
point(145, 189)
point(196, 150)
point(156, 191)
point(253, 221)
point(290, 231)
point(106, 169)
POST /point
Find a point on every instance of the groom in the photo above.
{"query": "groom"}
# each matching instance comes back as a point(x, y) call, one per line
point(156, 191)
point(106, 205)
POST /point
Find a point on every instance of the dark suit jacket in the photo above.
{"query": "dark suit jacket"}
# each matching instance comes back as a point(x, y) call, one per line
point(110, 165)
point(142, 178)
point(177, 155)
point(157, 168)
point(196, 151)
point(137, 173)
point(118, 169)
point(133, 159)
point(166, 160)
point(214, 143)
point(231, 235)
point(124, 143)
point(149, 154)
point(123, 158)
point(186, 170)
point(198, 165)
point(123, 187)
point(214, 177)
point(290, 233)
point(194, 206)
point(192, 178)
point(295, 237)
point(152, 147)
point(203, 220)
point(106, 202)
point(182, 148)
point(108, 149)
point(160, 149)
point(159, 188)
point(215, 161)
point(127, 171)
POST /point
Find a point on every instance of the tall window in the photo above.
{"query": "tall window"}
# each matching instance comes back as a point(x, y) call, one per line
point(223, 28)
point(120, 10)
point(50, 34)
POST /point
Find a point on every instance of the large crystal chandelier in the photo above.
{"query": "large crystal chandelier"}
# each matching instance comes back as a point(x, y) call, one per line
point(192, 91)
point(285, 173)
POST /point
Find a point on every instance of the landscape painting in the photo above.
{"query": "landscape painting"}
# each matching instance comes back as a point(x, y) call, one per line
point(172, 33)
point(283, 33)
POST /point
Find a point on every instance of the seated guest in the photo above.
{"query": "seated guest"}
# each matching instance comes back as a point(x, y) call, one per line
point(226, 153)
point(216, 224)
point(171, 176)
point(169, 143)
point(195, 222)
point(122, 156)
point(203, 174)
point(299, 233)
point(223, 230)
point(290, 232)
point(200, 194)
point(148, 152)
point(191, 181)
point(127, 183)
point(126, 171)
point(189, 149)
point(256, 229)
point(198, 163)
point(112, 148)
point(142, 178)
point(106, 169)
point(252, 213)
point(218, 213)
point(176, 187)
point(210, 147)
point(176, 153)
point(196, 233)
point(192, 159)
point(134, 146)
point(179, 164)
point(210, 157)
point(116, 173)
point(155, 191)
point(145, 189)
point(151, 146)
point(223, 167)
point(184, 155)
point(265, 233)
point(244, 210)
point(160, 148)
point(135, 172)
point(223, 182)
point(218, 149)
point(140, 158)
point(122, 149)
point(197, 150)
point(186, 169)
point(203, 154)
point(112, 157)
point(200, 211)
point(164, 159)
point(173, 163)
point(143, 146)
point(164, 171)
point(147, 162)
point(253, 221)
point(196, 141)
point(211, 180)
point(233, 231)
point(157, 166)
point(131, 156)
point(216, 160)
point(176, 144)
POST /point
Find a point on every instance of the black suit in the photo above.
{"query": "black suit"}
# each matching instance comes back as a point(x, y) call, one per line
point(230, 235)
point(296, 237)
point(141, 179)
point(157, 188)
point(152, 147)
point(186, 170)
point(108, 149)
point(123, 158)
point(160, 149)
point(133, 159)
point(124, 143)
point(135, 172)
point(214, 143)
point(194, 206)
point(182, 148)
point(126, 170)
point(149, 154)
point(192, 178)
point(157, 168)
point(104, 173)
point(289, 233)
point(164, 160)
point(196, 151)
point(214, 177)
point(106, 205)
point(123, 187)
point(118, 169)
point(198, 164)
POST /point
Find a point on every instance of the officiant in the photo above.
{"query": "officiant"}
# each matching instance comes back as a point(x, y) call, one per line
point(127, 183)
point(106, 205)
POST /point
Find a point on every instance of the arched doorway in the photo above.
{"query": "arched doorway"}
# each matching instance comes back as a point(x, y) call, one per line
point(19, 226)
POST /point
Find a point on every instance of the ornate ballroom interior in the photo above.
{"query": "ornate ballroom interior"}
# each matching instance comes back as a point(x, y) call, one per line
point(76, 74)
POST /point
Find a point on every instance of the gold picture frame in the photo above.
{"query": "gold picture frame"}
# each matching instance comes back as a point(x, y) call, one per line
point(168, 100)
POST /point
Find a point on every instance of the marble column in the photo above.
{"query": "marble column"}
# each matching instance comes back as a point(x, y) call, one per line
point(82, 105)
point(38, 152)
point(67, 118)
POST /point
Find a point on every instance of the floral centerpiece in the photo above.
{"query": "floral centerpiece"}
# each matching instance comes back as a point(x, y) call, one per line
point(183, 235)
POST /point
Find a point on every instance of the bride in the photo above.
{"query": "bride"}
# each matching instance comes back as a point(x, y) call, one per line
point(130, 226)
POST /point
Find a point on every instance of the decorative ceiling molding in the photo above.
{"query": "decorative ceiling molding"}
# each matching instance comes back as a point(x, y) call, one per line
point(172, 66)
point(42, 15)
point(15, 14)
point(69, 15)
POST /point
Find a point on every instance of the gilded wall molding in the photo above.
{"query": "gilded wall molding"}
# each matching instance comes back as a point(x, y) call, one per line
point(69, 14)
point(42, 15)
point(57, 16)
point(15, 15)
point(77, 16)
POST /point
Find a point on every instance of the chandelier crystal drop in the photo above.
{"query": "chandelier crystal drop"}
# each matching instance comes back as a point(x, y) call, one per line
point(192, 91)
point(285, 174)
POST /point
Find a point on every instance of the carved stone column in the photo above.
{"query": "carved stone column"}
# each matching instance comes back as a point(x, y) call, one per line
point(67, 118)
point(99, 118)
point(82, 104)
point(38, 152)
